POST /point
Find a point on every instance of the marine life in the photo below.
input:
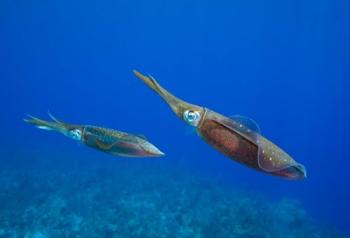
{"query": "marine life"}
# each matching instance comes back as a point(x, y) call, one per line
point(107, 140)
point(236, 137)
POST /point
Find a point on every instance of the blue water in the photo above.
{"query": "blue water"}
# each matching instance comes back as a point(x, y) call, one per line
point(283, 63)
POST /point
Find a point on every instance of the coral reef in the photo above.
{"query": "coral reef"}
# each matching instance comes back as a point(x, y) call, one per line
point(124, 199)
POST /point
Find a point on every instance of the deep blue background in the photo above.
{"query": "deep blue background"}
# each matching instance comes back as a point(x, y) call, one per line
point(283, 63)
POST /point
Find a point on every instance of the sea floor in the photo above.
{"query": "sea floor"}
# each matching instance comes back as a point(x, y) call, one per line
point(53, 196)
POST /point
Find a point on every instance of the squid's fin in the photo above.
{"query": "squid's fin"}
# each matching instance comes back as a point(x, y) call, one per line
point(142, 136)
point(245, 124)
point(104, 146)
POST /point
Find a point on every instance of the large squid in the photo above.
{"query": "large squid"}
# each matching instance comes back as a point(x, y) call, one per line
point(236, 137)
point(106, 140)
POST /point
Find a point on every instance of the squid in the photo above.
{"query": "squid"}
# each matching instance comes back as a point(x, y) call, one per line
point(236, 137)
point(103, 139)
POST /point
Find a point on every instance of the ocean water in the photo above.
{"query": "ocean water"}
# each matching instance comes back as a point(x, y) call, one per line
point(284, 64)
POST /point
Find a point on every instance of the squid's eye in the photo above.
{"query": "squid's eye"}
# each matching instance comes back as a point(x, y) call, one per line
point(192, 117)
point(75, 134)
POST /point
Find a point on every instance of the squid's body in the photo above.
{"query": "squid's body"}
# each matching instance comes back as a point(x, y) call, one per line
point(238, 137)
point(106, 140)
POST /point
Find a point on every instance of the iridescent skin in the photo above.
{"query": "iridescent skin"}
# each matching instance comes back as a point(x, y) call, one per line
point(230, 137)
point(106, 140)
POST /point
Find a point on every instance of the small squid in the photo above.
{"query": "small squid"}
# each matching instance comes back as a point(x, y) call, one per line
point(236, 137)
point(106, 140)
